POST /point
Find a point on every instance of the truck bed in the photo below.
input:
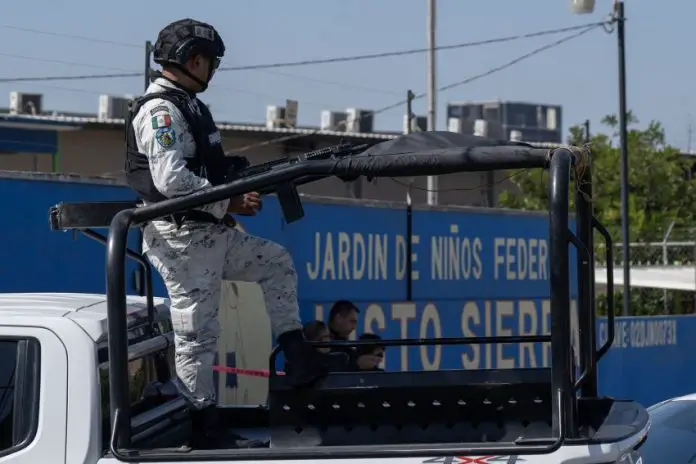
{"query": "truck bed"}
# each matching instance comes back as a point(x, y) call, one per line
point(364, 415)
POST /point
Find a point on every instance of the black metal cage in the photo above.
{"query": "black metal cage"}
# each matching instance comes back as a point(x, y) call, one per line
point(470, 394)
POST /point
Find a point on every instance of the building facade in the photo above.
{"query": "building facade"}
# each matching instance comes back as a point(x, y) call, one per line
point(508, 120)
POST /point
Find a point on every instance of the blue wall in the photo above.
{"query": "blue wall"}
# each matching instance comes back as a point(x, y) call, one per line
point(475, 273)
point(36, 259)
point(28, 140)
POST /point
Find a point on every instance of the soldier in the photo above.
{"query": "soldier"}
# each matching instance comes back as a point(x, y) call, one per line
point(174, 149)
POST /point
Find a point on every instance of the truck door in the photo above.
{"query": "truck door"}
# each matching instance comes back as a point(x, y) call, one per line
point(33, 396)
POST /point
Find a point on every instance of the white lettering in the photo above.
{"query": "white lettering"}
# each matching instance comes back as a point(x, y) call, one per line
point(488, 332)
point(545, 330)
point(471, 316)
point(486, 319)
point(504, 309)
point(343, 256)
point(314, 273)
point(329, 265)
point(381, 248)
point(359, 256)
point(640, 333)
point(430, 317)
point(346, 256)
point(527, 311)
point(455, 258)
point(520, 258)
point(404, 312)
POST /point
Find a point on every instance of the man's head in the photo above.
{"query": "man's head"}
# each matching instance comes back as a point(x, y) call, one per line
point(343, 318)
point(317, 331)
point(189, 52)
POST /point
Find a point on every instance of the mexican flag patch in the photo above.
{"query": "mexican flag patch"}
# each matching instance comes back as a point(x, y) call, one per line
point(161, 120)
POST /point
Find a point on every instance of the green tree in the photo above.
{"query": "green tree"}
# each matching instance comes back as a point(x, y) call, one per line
point(661, 193)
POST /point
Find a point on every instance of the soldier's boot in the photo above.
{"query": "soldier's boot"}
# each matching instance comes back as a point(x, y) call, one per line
point(304, 364)
point(209, 432)
point(205, 428)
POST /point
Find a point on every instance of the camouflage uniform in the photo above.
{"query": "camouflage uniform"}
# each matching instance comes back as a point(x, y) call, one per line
point(194, 258)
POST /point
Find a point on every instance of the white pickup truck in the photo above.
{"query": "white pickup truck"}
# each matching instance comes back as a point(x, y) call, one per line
point(76, 389)
point(54, 395)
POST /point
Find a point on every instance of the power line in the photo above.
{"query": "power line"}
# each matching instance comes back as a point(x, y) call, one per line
point(69, 36)
point(69, 63)
point(412, 51)
point(82, 77)
point(468, 80)
point(342, 59)
point(272, 73)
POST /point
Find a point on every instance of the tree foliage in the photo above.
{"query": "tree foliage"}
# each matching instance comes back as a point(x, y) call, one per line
point(662, 196)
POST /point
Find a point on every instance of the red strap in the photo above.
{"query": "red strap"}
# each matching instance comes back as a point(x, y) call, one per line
point(247, 372)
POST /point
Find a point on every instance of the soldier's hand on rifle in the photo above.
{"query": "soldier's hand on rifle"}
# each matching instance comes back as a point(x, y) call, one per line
point(246, 205)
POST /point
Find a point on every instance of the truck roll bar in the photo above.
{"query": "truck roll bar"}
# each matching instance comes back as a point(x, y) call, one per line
point(419, 154)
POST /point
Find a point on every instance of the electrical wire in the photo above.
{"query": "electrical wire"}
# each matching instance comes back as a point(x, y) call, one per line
point(342, 59)
point(413, 51)
point(403, 102)
point(68, 63)
point(271, 73)
point(69, 36)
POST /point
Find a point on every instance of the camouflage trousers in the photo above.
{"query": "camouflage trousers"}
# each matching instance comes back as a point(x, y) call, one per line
point(193, 260)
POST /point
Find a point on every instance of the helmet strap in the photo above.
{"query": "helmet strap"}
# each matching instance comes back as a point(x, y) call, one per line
point(182, 68)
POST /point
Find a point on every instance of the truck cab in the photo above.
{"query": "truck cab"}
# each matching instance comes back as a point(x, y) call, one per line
point(54, 376)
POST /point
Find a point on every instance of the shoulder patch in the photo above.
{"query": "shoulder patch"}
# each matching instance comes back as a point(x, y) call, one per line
point(161, 120)
point(159, 109)
point(166, 137)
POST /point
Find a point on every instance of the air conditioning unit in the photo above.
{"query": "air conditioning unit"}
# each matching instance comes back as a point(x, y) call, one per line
point(26, 103)
point(275, 117)
point(483, 128)
point(358, 120)
point(454, 125)
point(418, 123)
point(461, 125)
point(113, 107)
point(333, 121)
point(515, 136)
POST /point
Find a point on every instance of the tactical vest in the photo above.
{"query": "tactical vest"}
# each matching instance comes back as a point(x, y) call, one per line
point(209, 160)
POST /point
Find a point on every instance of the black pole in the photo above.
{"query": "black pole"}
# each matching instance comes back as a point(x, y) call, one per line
point(409, 209)
point(559, 183)
point(586, 277)
point(148, 65)
point(587, 134)
point(623, 137)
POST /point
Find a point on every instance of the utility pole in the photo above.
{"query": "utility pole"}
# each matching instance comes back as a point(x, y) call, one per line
point(148, 65)
point(623, 137)
point(409, 206)
point(587, 135)
point(432, 183)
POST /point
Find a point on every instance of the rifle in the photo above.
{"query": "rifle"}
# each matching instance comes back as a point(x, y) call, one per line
point(239, 167)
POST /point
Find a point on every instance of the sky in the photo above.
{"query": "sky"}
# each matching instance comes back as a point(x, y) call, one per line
point(580, 75)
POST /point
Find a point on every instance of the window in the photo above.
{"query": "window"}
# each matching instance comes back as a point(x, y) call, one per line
point(19, 393)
